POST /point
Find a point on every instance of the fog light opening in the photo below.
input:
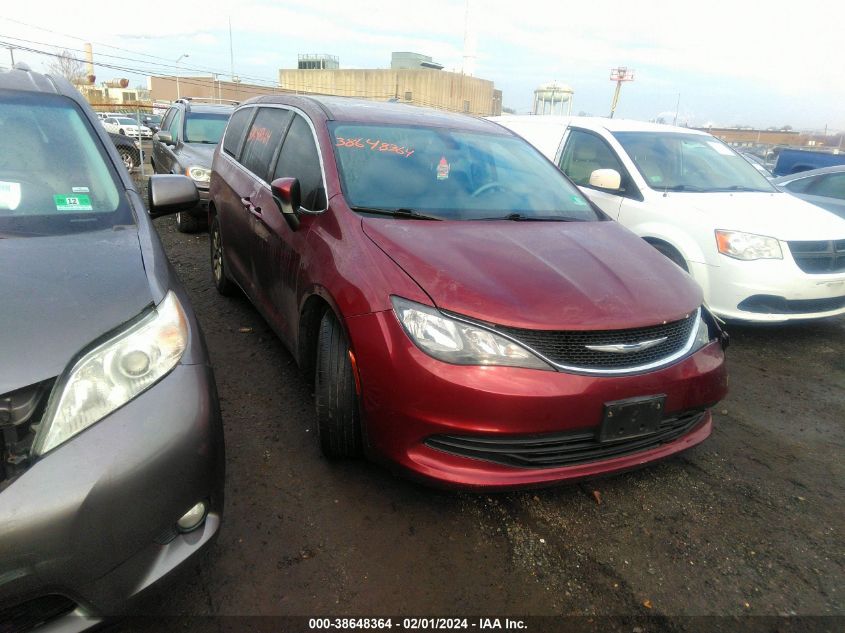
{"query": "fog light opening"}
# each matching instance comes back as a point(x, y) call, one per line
point(193, 518)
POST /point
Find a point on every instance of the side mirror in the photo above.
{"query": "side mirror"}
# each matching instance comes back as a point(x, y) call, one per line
point(288, 198)
point(165, 137)
point(171, 193)
point(608, 179)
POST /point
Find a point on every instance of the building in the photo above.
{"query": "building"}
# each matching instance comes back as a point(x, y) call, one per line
point(748, 137)
point(318, 62)
point(165, 89)
point(412, 61)
point(423, 86)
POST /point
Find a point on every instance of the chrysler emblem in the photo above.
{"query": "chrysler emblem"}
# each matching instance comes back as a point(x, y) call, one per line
point(627, 348)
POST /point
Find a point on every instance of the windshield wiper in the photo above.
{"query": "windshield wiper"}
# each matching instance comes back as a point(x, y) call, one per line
point(521, 217)
point(682, 188)
point(410, 214)
point(738, 188)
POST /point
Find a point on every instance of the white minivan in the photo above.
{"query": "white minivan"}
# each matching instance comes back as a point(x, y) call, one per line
point(758, 254)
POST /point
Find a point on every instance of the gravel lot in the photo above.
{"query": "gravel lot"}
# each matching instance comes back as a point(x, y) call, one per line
point(750, 522)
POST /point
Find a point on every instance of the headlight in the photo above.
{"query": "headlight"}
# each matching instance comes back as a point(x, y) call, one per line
point(113, 373)
point(747, 246)
point(200, 174)
point(460, 343)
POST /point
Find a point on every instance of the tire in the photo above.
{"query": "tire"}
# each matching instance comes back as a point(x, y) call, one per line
point(122, 132)
point(186, 223)
point(128, 158)
point(221, 280)
point(338, 417)
point(673, 255)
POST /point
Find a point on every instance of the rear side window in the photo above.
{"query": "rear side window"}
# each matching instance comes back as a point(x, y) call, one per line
point(262, 141)
point(829, 186)
point(235, 131)
point(299, 159)
point(54, 174)
point(800, 186)
point(165, 124)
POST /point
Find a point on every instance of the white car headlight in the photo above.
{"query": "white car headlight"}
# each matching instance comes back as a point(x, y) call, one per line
point(199, 174)
point(459, 343)
point(113, 373)
point(747, 246)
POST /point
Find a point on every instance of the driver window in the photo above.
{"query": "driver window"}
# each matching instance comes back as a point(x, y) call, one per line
point(584, 153)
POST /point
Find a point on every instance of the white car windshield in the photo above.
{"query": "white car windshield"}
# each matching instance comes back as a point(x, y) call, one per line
point(670, 161)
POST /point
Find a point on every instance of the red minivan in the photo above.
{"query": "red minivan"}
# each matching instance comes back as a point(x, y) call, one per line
point(466, 314)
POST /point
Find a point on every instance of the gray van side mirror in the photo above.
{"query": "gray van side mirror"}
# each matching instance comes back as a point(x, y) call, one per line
point(171, 193)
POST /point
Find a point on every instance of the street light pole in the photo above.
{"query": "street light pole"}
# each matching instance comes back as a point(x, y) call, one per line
point(181, 57)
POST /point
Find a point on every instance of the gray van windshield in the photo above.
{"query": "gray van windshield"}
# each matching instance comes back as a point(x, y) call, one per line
point(451, 174)
point(54, 174)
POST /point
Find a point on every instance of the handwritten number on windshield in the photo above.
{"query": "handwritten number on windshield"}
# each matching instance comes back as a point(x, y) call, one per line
point(374, 145)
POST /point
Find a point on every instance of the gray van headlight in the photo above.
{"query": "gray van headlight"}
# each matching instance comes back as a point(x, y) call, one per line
point(460, 343)
point(113, 373)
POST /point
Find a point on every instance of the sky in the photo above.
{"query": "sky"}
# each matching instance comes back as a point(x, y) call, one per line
point(721, 62)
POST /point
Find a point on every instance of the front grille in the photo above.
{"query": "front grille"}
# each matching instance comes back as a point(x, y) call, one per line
point(19, 411)
point(561, 449)
point(568, 348)
point(771, 304)
point(29, 615)
point(819, 257)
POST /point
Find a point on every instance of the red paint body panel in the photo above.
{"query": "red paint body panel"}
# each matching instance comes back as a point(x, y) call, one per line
point(541, 275)
point(409, 396)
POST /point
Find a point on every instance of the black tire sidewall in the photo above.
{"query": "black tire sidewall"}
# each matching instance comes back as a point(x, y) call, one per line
point(338, 415)
point(223, 285)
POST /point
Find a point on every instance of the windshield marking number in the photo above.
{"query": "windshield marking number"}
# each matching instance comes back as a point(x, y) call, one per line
point(376, 146)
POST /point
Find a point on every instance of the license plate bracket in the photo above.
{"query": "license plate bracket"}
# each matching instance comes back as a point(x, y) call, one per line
point(634, 417)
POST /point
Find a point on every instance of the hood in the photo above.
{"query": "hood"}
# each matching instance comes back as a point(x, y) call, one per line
point(779, 215)
point(200, 154)
point(540, 275)
point(60, 293)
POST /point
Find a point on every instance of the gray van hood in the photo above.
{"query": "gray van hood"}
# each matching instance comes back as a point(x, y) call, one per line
point(57, 295)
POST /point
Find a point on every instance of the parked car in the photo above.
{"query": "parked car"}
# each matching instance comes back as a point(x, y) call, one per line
point(127, 126)
point(185, 145)
point(822, 187)
point(467, 315)
point(111, 440)
point(128, 149)
point(152, 121)
point(792, 161)
point(758, 254)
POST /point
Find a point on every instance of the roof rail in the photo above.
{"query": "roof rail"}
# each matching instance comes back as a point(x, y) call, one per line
point(211, 100)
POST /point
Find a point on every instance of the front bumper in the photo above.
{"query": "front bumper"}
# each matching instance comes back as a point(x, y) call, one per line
point(769, 290)
point(94, 520)
point(409, 397)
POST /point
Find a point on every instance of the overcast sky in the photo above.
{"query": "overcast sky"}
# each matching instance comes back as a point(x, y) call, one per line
point(733, 62)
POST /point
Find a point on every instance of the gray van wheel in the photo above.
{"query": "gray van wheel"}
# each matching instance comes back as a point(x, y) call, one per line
point(186, 223)
point(338, 418)
point(224, 285)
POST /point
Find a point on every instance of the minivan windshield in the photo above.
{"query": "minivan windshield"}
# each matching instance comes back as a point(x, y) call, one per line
point(670, 161)
point(55, 177)
point(205, 127)
point(451, 175)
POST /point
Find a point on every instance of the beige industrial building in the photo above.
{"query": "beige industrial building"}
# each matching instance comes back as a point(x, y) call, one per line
point(426, 87)
point(166, 89)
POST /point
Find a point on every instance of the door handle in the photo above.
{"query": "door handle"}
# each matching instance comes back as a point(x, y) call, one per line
point(249, 206)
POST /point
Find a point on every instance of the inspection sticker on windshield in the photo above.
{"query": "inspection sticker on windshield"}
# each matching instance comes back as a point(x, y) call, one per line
point(10, 195)
point(724, 151)
point(443, 169)
point(73, 203)
point(579, 201)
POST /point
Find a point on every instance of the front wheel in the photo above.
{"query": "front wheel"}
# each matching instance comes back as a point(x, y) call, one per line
point(338, 418)
point(221, 280)
point(673, 255)
point(186, 223)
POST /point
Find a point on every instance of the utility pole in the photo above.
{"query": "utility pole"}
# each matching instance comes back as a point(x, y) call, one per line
point(677, 107)
point(619, 75)
point(181, 57)
point(12, 54)
point(231, 52)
